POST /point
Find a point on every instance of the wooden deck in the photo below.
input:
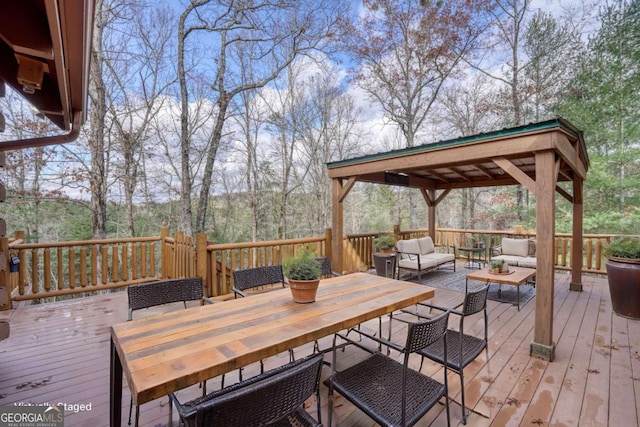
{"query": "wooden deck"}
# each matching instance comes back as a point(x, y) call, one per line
point(58, 353)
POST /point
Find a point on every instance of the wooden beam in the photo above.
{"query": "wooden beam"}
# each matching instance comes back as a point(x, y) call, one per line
point(576, 245)
point(485, 171)
point(442, 196)
point(460, 174)
point(337, 226)
point(569, 154)
point(515, 172)
point(427, 196)
point(469, 153)
point(439, 176)
point(431, 220)
point(543, 345)
point(347, 188)
point(564, 194)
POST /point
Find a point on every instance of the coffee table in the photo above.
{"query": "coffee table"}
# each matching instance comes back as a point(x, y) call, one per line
point(517, 276)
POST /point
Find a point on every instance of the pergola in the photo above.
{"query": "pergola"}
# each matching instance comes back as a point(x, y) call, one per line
point(537, 156)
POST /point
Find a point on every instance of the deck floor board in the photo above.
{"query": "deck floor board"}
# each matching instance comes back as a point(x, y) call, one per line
point(59, 353)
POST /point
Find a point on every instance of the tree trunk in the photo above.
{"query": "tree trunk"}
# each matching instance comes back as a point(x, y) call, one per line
point(97, 176)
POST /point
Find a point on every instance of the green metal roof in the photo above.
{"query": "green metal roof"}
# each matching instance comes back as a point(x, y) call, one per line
point(532, 127)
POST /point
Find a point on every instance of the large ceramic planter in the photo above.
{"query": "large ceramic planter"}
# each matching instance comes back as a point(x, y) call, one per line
point(303, 291)
point(624, 286)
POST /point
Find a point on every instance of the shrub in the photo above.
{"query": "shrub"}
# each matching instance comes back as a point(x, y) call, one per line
point(626, 247)
point(384, 241)
point(303, 266)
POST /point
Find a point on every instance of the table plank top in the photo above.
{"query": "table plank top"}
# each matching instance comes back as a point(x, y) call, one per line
point(517, 276)
point(165, 353)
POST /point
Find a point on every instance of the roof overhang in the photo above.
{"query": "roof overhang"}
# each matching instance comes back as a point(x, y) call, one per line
point(474, 161)
point(45, 51)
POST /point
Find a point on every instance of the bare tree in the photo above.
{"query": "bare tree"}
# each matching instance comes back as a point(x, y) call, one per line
point(137, 79)
point(468, 110)
point(97, 116)
point(276, 32)
point(329, 134)
point(405, 52)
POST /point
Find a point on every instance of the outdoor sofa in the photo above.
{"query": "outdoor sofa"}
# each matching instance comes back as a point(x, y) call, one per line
point(420, 255)
point(516, 252)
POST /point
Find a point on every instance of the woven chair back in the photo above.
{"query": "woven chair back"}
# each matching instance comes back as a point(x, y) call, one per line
point(265, 399)
point(164, 292)
point(258, 276)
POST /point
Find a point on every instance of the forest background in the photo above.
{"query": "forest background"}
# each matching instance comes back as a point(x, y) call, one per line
point(219, 116)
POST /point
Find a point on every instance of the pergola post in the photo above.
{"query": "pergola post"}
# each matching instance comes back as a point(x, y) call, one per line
point(543, 345)
point(337, 225)
point(576, 248)
point(431, 209)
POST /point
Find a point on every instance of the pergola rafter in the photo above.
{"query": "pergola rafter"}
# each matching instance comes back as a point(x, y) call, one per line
point(537, 156)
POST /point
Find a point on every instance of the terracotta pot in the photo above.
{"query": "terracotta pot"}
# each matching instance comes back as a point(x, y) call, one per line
point(386, 251)
point(304, 291)
point(624, 286)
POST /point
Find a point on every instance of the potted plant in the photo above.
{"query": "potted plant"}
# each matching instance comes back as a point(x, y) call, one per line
point(623, 273)
point(496, 266)
point(303, 271)
point(384, 243)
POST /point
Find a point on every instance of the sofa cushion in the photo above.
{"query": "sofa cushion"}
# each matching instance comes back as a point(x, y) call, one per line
point(426, 245)
point(532, 247)
point(509, 259)
point(528, 262)
point(412, 264)
point(518, 247)
point(440, 258)
point(409, 246)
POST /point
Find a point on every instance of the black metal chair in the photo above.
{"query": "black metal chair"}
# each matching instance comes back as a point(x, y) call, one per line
point(461, 349)
point(162, 292)
point(273, 398)
point(256, 277)
point(325, 267)
point(390, 392)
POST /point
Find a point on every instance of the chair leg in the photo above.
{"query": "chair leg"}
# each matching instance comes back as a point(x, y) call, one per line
point(464, 411)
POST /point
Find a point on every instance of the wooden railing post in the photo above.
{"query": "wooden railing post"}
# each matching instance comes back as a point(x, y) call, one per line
point(201, 260)
point(5, 285)
point(164, 233)
point(328, 238)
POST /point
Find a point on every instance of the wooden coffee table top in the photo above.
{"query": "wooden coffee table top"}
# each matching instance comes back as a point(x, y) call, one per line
point(517, 276)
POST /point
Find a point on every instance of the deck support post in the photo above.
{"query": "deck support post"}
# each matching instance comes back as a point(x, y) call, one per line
point(576, 246)
point(543, 345)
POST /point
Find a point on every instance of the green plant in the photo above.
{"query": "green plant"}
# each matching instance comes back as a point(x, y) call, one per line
point(384, 241)
point(626, 247)
point(497, 263)
point(303, 266)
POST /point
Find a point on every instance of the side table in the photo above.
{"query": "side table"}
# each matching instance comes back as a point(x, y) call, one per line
point(474, 257)
point(385, 264)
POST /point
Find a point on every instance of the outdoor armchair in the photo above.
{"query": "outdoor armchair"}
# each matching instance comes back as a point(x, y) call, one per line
point(162, 292)
point(389, 392)
point(273, 398)
point(256, 277)
point(460, 349)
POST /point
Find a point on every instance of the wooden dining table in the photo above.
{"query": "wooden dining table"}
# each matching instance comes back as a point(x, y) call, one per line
point(165, 353)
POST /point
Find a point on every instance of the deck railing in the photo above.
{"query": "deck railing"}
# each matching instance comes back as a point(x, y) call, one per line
point(47, 270)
